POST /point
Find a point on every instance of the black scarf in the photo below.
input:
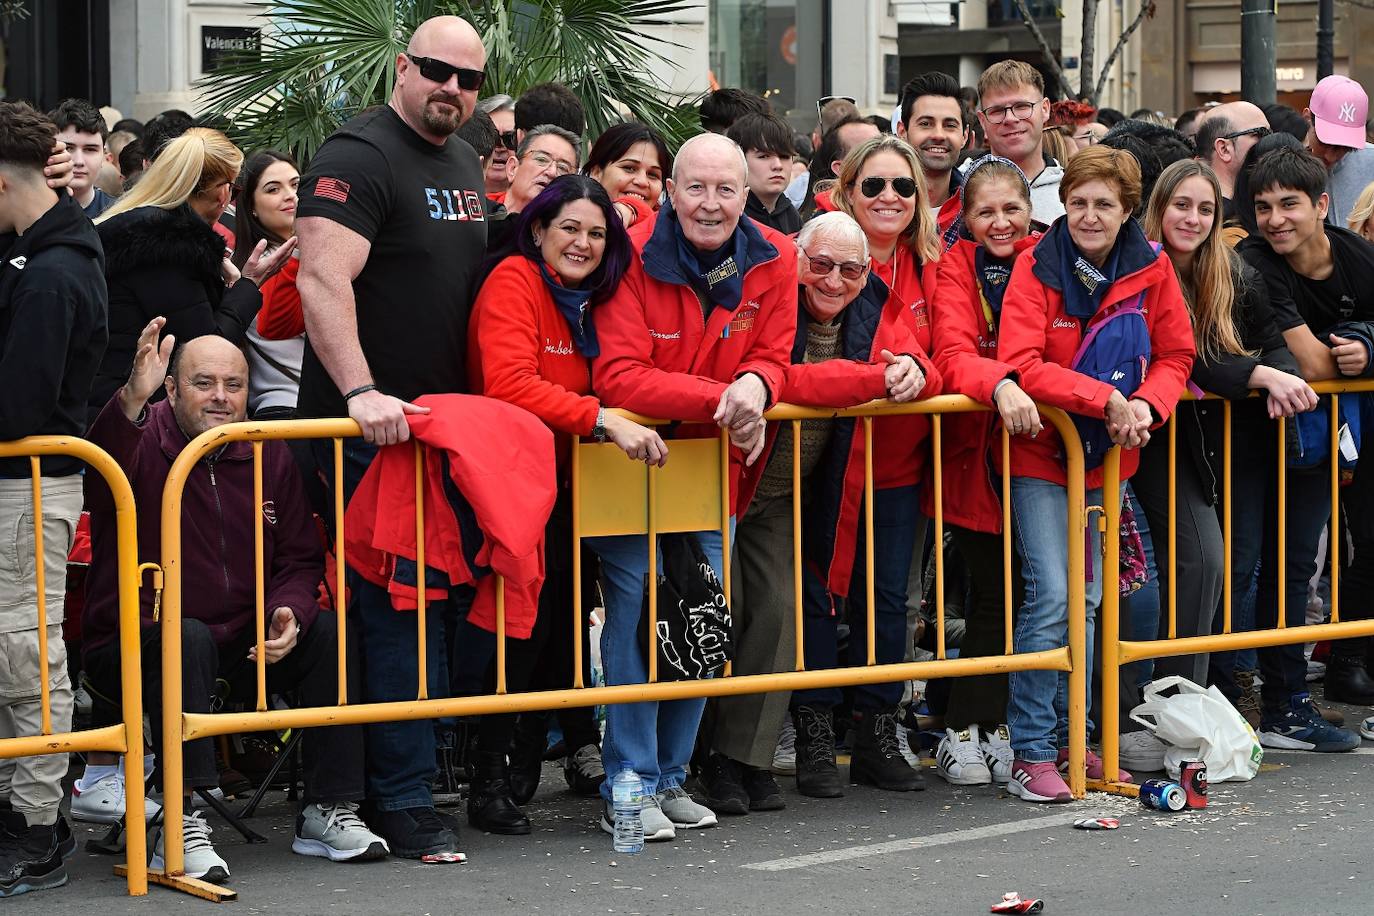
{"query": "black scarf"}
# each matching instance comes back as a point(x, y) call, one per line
point(574, 306)
point(717, 276)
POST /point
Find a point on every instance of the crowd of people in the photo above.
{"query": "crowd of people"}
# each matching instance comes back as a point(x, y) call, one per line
point(462, 271)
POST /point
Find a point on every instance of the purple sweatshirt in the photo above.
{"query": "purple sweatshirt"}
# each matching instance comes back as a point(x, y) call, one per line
point(217, 580)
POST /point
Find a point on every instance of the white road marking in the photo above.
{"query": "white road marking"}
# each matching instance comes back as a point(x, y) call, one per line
point(1367, 751)
point(921, 842)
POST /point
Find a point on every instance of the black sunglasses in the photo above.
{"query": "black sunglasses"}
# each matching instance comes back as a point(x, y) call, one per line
point(507, 140)
point(438, 71)
point(873, 186)
point(1259, 133)
point(821, 267)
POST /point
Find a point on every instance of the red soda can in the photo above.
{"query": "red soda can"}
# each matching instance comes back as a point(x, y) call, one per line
point(1192, 775)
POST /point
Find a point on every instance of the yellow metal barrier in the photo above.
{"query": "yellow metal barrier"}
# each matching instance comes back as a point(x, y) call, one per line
point(1117, 652)
point(127, 737)
point(611, 495)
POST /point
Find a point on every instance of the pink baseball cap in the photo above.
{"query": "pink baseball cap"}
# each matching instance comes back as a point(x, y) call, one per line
point(1339, 107)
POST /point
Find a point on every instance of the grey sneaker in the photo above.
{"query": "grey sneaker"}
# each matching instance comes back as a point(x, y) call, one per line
point(785, 756)
point(200, 859)
point(1142, 751)
point(657, 827)
point(682, 811)
point(335, 832)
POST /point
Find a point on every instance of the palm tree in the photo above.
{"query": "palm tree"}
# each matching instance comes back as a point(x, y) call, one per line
point(322, 61)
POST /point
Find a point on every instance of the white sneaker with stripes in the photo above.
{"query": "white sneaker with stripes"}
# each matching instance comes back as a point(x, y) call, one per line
point(959, 758)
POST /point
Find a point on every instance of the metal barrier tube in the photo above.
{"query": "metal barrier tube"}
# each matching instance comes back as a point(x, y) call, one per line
point(1173, 526)
point(797, 546)
point(501, 634)
point(727, 509)
point(259, 590)
point(1281, 565)
point(651, 522)
point(1333, 542)
point(1109, 617)
point(1079, 650)
point(577, 610)
point(41, 584)
point(1227, 573)
point(1249, 639)
point(340, 572)
point(1008, 610)
point(938, 455)
point(869, 591)
point(421, 580)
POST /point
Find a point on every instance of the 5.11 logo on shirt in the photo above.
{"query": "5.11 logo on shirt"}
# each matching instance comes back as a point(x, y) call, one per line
point(456, 205)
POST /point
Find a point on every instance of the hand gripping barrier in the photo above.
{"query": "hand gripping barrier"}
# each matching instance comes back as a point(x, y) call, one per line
point(1117, 652)
point(127, 737)
point(611, 495)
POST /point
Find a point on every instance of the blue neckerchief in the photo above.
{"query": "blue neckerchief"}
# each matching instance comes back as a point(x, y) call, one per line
point(1085, 284)
point(717, 276)
point(993, 274)
point(574, 306)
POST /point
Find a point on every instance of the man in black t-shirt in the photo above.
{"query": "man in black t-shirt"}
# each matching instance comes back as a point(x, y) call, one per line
point(1323, 302)
point(392, 230)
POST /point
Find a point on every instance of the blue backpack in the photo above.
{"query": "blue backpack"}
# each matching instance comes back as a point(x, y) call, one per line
point(1115, 350)
point(1309, 433)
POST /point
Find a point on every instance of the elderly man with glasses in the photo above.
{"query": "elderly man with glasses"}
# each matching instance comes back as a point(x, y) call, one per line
point(1225, 135)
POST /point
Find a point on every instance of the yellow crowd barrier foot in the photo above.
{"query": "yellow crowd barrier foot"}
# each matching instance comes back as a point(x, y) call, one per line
point(193, 886)
point(1129, 790)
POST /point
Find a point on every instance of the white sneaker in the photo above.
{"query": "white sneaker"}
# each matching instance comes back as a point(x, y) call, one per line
point(1142, 751)
point(335, 832)
point(996, 748)
point(103, 803)
point(785, 756)
point(959, 758)
point(1367, 728)
point(912, 758)
point(200, 859)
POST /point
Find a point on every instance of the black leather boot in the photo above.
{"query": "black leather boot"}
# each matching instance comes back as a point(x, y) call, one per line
point(527, 755)
point(1347, 681)
point(817, 774)
point(878, 758)
point(490, 806)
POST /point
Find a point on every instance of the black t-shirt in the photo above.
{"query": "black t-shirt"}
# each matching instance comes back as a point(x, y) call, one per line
point(422, 208)
point(1346, 295)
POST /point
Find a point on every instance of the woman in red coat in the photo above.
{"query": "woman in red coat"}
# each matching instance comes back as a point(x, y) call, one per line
point(971, 284)
point(1094, 262)
point(533, 335)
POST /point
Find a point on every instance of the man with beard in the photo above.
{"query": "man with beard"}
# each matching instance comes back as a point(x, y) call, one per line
point(935, 123)
point(392, 231)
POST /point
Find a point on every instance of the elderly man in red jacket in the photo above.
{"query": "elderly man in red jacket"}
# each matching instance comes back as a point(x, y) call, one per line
point(207, 386)
point(700, 332)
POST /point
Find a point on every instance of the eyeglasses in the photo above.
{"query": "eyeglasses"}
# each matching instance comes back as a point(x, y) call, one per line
point(507, 140)
point(821, 267)
point(1259, 133)
point(1087, 137)
point(438, 71)
point(544, 160)
point(1021, 111)
point(874, 184)
point(827, 99)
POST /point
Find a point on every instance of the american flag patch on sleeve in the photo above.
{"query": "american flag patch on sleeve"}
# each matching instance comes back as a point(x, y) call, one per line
point(332, 189)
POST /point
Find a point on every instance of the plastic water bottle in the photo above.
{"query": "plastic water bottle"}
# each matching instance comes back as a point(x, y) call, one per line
point(627, 798)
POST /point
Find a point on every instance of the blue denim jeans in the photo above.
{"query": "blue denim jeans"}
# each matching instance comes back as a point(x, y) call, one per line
point(400, 755)
point(653, 738)
point(896, 519)
point(1038, 711)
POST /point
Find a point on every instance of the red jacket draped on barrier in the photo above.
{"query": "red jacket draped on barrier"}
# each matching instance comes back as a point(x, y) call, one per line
point(500, 460)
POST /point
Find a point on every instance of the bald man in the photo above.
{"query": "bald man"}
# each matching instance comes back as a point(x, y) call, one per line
point(700, 331)
point(392, 229)
point(1224, 135)
point(207, 386)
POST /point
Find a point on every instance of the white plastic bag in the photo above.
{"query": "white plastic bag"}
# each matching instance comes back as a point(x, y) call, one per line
point(1199, 724)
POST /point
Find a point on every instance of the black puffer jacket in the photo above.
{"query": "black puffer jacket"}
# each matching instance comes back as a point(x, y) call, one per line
point(165, 262)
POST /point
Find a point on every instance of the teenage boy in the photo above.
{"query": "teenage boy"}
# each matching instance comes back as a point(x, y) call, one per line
point(935, 123)
point(52, 335)
point(1013, 114)
point(767, 143)
point(1324, 306)
point(81, 130)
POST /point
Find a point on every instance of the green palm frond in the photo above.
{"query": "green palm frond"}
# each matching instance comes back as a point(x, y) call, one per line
point(322, 61)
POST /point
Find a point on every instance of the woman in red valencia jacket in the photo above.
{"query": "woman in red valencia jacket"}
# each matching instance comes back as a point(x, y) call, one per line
point(533, 334)
point(1093, 259)
point(971, 283)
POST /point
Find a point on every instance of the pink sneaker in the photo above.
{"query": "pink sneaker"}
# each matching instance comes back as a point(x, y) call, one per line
point(1092, 763)
point(1038, 782)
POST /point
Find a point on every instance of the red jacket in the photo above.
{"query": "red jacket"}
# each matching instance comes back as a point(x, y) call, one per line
point(875, 321)
point(520, 350)
point(966, 352)
point(660, 358)
point(1040, 339)
point(505, 486)
point(280, 317)
point(914, 284)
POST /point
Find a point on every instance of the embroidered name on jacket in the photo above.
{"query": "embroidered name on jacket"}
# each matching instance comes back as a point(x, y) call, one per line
point(663, 335)
point(1065, 323)
point(562, 348)
point(744, 318)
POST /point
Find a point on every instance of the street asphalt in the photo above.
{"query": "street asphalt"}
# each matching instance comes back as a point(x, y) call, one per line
point(1295, 840)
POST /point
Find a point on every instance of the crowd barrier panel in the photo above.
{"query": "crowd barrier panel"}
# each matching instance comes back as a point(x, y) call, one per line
point(126, 738)
point(611, 495)
point(1117, 652)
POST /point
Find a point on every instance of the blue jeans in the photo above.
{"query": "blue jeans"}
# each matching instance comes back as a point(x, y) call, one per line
point(1038, 711)
point(653, 738)
point(896, 519)
point(400, 755)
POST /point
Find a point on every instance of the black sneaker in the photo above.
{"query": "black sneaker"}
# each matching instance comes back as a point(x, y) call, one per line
point(585, 772)
point(412, 833)
point(31, 862)
point(722, 785)
point(763, 791)
point(14, 825)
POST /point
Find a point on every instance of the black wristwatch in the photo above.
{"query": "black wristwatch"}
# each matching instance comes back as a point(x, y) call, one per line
point(599, 428)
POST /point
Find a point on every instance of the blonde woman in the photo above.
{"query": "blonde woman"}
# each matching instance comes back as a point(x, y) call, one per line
point(1362, 214)
point(1239, 349)
point(163, 258)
